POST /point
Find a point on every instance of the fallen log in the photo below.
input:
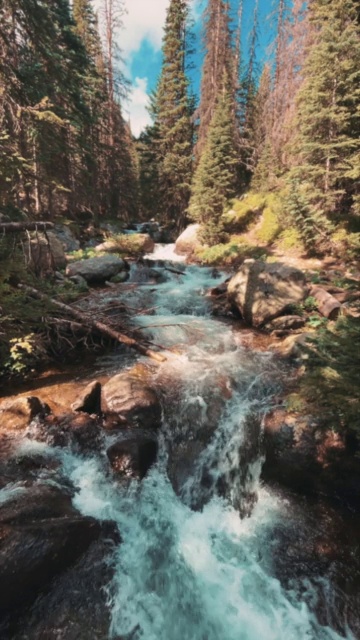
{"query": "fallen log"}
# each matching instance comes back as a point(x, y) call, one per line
point(99, 326)
point(328, 306)
point(176, 271)
point(13, 227)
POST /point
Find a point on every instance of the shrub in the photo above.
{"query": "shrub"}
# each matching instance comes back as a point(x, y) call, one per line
point(291, 239)
point(232, 253)
point(270, 227)
point(331, 382)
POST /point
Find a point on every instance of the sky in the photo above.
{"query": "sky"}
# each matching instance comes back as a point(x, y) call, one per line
point(140, 41)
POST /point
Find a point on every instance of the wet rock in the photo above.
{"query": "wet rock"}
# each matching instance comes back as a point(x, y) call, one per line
point(114, 422)
point(45, 253)
point(18, 414)
point(89, 400)
point(133, 457)
point(262, 292)
point(121, 277)
point(79, 430)
point(40, 502)
point(306, 456)
point(96, 270)
point(32, 553)
point(286, 323)
point(75, 606)
point(188, 241)
point(130, 395)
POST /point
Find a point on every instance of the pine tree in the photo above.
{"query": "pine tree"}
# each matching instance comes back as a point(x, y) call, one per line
point(221, 59)
point(172, 108)
point(215, 177)
point(328, 117)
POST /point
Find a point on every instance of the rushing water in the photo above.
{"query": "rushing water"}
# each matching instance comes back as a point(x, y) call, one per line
point(189, 567)
point(204, 574)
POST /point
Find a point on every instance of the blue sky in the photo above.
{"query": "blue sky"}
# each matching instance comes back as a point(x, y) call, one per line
point(141, 39)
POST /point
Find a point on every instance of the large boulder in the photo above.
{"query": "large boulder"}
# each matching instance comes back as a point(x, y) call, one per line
point(262, 292)
point(131, 244)
point(188, 241)
point(67, 238)
point(133, 457)
point(41, 535)
point(79, 430)
point(96, 270)
point(16, 415)
point(45, 252)
point(130, 395)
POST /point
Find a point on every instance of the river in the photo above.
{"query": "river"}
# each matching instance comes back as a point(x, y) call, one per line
point(189, 567)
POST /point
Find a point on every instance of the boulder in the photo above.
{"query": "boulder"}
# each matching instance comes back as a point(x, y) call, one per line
point(133, 457)
point(33, 552)
point(286, 323)
point(121, 277)
point(262, 292)
point(77, 430)
point(188, 241)
point(96, 270)
point(18, 414)
point(89, 399)
point(132, 244)
point(130, 395)
point(45, 252)
point(67, 238)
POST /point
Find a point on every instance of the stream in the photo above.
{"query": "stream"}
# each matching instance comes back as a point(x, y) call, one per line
point(189, 566)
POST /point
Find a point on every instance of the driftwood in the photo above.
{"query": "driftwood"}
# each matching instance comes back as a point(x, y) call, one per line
point(83, 319)
point(14, 227)
point(328, 306)
point(176, 271)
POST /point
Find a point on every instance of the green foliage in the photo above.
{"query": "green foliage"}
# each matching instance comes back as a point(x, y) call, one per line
point(291, 239)
point(232, 253)
point(346, 244)
point(215, 178)
point(328, 118)
point(171, 140)
point(332, 378)
point(244, 211)
point(270, 228)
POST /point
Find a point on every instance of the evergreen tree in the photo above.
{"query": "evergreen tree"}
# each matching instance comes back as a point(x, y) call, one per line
point(328, 144)
point(172, 108)
point(221, 59)
point(215, 177)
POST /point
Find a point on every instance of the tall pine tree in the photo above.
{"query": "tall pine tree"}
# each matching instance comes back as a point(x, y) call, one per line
point(172, 108)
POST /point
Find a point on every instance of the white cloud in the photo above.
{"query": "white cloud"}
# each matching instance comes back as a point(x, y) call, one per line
point(136, 106)
point(144, 19)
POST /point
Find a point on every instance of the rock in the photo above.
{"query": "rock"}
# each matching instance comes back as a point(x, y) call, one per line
point(306, 456)
point(32, 553)
point(123, 276)
point(75, 605)
point(286, 323)
point(67, 238)
point(18, 414)
point(130, 395)
point(293, 346)
point(77, 430)
point(40, 502)
point(89, 400)
point(133, 457)
point(79, 281)
point(132, 243)
point(262, 292)
point(45, 253)
point(188, 241)
point(96, 270)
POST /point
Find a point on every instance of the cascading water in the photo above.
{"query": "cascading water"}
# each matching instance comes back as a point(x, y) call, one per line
point(188, 566)
point(206, 574)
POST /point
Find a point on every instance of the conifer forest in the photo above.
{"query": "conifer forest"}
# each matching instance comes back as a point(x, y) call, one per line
point(179, 319)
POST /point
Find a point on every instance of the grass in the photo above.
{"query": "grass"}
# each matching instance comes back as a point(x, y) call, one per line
point(229, 254)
